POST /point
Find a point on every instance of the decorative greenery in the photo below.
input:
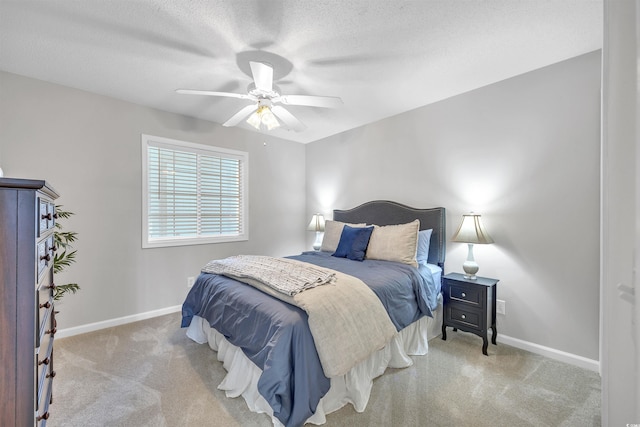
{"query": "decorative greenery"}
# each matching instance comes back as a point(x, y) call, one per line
point(65, 255)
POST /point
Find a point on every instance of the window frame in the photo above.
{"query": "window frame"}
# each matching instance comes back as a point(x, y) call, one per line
point(208, 150)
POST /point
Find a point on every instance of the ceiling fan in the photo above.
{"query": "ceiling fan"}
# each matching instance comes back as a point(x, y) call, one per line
point(266, 96)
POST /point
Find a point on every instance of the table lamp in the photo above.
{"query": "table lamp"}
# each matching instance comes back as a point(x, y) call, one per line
point(317, 225)
point(472, 232)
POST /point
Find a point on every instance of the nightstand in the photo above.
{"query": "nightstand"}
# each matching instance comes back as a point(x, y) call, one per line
point(470, 305)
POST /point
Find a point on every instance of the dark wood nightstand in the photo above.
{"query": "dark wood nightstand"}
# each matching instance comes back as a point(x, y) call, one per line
point(470, 305)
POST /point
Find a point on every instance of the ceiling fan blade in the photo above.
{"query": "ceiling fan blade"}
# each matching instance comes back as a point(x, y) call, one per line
point(211, 93)
point(311, 101)
point(262, 76)
point(240, 115)
point(289, 120)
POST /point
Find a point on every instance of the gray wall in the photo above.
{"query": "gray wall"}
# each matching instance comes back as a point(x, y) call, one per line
point(525, 154)
point(88, 147)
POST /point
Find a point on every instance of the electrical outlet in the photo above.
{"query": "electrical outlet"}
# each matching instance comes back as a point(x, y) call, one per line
point(500, 306)
point(190, 281)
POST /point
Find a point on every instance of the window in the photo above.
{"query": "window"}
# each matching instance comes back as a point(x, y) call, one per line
point(192, 193)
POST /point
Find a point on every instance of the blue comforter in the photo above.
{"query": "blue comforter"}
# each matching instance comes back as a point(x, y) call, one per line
point(276, 336)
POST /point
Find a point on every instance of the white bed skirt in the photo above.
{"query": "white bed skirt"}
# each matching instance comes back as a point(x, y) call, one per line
point(354, 387)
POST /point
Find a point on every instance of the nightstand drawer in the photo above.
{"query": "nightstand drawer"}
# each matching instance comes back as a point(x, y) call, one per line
point(464, 317)
point(465, 293)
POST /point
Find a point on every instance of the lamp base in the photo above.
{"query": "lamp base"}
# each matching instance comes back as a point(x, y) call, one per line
point(318, 243)
point(470, 266)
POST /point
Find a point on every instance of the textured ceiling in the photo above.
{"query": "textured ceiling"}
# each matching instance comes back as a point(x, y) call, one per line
point(382, 57)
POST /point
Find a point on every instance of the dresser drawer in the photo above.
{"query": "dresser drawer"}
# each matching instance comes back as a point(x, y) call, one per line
point(45, 372)
point(42, 413)
point(44, 363)
point(45, 254)
point(42, 257)
point(45, 325)
point(46, 216)
point(44, 306)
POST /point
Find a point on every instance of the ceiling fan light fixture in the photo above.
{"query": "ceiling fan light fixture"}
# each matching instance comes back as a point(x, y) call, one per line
point(263, 116)
point(254, 120)
point(269, 119)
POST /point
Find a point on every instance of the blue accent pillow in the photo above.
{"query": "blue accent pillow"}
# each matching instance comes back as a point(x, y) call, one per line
point(353, 242)
point(424, 240)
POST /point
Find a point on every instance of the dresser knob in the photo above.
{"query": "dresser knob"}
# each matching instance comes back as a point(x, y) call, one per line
point(464, 295)
point(53, 248)
point(55, 215)
point(44, 361)
point(52, 374)
point(46, 216)
point(45, 305)
point(463, 316)
point(46, 257)
point(52, 286)
point(44, 416)
point(52, 332)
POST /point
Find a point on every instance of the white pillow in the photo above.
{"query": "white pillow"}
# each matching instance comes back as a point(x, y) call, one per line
point(332, 233)
point(397, 243)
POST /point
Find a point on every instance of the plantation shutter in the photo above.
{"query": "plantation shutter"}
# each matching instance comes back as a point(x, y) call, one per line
point(192, 194)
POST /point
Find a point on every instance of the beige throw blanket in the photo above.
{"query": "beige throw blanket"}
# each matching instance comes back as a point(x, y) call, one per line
point(283, 275)
point(347, 320)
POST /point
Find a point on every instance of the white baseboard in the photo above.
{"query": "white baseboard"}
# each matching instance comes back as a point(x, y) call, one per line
point(77, 330)
point(552, 353)
point(572, 359)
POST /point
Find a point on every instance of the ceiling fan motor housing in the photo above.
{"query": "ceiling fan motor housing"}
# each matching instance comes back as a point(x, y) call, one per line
point(262, 93)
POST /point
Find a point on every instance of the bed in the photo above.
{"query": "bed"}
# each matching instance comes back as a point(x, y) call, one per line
point(276, 356)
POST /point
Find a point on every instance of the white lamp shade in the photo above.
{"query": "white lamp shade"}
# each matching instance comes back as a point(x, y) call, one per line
point(317, 223)
point(254, 120)
point(269, 120)
point(472, 231)
point(263, 116)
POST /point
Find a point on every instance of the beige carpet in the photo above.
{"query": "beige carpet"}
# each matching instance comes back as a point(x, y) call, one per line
point(150, 374)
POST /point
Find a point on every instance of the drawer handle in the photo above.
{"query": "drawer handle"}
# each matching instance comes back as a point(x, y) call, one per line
point(45, 305)
point(52, 331)
point(44, 416)
point(46, 216)
point(463, 316)
point(52, 374)
point(44, 361)
point(46, 257)
point(464, 295)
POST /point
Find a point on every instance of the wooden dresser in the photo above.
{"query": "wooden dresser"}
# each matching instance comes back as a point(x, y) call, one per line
point(27, 317)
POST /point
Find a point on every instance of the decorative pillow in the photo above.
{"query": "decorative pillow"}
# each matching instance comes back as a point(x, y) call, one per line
point(332, 233)
point(353, 242)
point(424, 240)
point(395, 243)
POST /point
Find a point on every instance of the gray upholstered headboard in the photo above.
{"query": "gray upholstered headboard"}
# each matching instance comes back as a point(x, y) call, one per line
point(384, 212)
